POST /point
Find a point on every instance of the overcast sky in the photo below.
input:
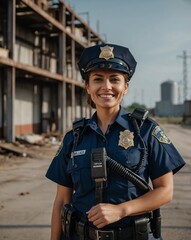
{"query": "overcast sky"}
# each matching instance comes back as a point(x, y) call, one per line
point(155, 31)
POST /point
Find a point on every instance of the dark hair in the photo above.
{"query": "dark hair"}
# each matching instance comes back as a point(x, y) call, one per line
point(89, 100)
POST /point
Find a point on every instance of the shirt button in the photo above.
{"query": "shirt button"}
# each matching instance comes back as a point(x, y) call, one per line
point(75, 165)
point(104, 140)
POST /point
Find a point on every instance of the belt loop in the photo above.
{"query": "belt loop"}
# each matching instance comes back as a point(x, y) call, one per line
point(118, 237)
point(81, 229)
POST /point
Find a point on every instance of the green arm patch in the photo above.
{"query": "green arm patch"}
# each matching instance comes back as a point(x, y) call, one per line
point(159, 134)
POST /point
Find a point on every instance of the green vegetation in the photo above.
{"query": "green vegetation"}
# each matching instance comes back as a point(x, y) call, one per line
point(160, 120)
point(131, 107)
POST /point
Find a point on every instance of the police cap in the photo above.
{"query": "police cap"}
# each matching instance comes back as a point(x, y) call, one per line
point(107, 56)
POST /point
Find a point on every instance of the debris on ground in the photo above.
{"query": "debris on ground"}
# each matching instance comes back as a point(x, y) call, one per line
point(31, 139)
point(28, 146)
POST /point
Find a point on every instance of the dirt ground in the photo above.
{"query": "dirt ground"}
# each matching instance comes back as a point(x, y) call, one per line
point(26, 196)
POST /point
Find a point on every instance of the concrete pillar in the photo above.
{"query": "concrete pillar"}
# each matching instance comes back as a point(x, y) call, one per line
point(62, 70)
point(73, 70)
point(10, 126)
point(61, 106)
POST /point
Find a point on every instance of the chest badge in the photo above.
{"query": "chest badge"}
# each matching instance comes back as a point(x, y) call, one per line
point(126, 139)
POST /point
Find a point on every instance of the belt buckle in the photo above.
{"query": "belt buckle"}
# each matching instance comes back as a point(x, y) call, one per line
point(104, 235)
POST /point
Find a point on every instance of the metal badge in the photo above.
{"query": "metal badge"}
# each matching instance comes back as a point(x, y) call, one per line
point(126, 139)
point(159, 134)
point(106, 52)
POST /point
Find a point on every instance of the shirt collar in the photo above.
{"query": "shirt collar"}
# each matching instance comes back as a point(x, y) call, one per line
point(121, 119)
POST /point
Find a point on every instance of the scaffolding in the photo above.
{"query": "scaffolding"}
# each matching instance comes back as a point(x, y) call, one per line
point(41, 87)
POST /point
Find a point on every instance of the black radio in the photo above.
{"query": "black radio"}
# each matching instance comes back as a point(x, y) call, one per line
point(98, 164)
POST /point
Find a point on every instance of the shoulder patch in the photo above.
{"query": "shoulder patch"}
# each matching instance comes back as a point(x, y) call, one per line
point(159, 134)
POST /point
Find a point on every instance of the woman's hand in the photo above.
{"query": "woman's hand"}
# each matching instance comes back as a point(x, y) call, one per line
point(103, 214)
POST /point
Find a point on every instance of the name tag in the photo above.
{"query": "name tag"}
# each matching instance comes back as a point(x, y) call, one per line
point(79, 153)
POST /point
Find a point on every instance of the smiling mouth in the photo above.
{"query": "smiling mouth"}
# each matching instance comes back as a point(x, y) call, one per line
point(106, 96)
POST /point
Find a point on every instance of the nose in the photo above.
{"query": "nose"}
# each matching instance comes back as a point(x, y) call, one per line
point(106, 84)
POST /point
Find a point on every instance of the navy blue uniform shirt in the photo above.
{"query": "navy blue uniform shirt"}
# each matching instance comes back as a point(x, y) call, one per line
point(73, 169)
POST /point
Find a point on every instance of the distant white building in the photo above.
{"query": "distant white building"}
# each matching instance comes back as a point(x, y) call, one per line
point(168, 106)
point(169, 91)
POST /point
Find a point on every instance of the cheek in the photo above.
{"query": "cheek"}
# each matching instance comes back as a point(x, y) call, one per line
point(122, 90)
point(91, 89)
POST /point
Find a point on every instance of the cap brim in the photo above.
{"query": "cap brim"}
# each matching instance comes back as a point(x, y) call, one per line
point(108, 66)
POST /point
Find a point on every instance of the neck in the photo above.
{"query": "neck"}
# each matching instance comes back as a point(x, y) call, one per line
point(106, 117)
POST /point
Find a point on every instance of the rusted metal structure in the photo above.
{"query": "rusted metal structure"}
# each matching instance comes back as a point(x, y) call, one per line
point(40, 85)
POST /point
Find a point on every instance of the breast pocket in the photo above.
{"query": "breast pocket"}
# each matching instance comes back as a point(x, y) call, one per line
point(80, 170)
point(129, 158)
point(133, 160)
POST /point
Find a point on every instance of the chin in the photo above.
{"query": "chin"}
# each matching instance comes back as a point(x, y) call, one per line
point(109, 105)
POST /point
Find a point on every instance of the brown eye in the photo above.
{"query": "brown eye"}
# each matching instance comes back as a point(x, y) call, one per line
point(98, 79)
point(115, 80)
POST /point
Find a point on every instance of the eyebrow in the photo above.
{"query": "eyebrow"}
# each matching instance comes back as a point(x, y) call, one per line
point(100, 75)
point(96, 74)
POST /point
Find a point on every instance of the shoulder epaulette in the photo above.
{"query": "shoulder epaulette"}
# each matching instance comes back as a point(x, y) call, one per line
point(78, 129)
point(140, 114)
point(138, 117)
point(80, 123)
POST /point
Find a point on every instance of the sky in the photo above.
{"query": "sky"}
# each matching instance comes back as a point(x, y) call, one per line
point(156, 32)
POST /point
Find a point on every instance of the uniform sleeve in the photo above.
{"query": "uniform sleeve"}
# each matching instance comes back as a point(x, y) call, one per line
point(163, 156)
point(57, 171)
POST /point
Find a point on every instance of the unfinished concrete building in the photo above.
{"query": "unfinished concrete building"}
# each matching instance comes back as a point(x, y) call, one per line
point(40, 85)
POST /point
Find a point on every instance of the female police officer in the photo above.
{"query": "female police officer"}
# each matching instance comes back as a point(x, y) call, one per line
point(123, 211)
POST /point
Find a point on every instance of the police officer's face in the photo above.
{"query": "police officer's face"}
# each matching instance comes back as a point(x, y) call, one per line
point(106, 88)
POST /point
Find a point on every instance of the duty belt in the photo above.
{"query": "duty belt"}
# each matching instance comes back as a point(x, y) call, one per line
point(73, 223)
point(114, 234)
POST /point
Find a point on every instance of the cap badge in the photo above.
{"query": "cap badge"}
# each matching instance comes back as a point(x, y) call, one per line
point(106, 52)
point(126, 139)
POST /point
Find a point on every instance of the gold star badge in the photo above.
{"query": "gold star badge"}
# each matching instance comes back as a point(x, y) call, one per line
point(106, 52)
point(126, 139)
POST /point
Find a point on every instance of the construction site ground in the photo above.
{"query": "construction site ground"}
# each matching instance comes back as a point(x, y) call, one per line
point(26, 196)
